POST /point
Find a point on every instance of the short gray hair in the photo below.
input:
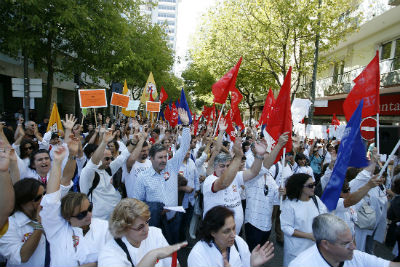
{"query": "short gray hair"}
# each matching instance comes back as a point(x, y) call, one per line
point(327, 227)
point(222, 158)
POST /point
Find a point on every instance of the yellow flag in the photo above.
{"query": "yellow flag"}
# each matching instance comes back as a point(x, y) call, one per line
point(54, 121)
point(149, 91)
point(130, 113)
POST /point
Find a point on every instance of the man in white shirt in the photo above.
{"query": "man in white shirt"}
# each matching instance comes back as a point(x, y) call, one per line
point(222, 188)
point(335, 247)
point(103, 195)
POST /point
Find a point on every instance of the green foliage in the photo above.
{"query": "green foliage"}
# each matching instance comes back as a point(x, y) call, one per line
point(104, 39)
point(271, 36)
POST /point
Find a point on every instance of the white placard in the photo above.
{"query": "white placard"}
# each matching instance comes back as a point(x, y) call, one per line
point(133, 105)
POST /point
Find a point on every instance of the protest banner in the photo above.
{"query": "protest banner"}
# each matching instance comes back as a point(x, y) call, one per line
point(153, 106)
point(92, 98)
point(119, 100)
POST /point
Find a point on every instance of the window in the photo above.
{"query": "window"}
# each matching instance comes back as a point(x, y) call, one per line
point(391, 50)
point(338, 70)
point(166, 7)
point(386, 50)
point(166, 15)
point(169, 1)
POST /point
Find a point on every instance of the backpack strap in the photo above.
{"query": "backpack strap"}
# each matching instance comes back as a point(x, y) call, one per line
point(237, 248)
point(125, 249)
point(95, 183)
point(276, 170)
point(314, 198)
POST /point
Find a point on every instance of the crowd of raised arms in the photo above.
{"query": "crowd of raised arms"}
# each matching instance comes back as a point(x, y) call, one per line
point(131, 192)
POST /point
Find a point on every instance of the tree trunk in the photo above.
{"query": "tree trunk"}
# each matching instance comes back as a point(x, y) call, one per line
point(50, 75)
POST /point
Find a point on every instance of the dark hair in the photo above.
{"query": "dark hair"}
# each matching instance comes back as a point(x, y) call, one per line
point(396, 186)
point(245, 143)
point(213, 221)
point(89, 149)
point(22, 150)
point(54, 136)
point(116, 145)
point(9, 135)
point(34, 153)
point(351, 173)
point(25, 191)
point(299, 156)
point(294, 185)
point(225, 143)
point(156, 130)
point(155, 149)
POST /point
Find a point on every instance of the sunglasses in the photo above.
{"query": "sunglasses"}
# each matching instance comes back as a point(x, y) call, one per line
point(312, 185)
point(108, 158)
point(266, 189)
point(39, 197)
point(141, 227)
point(81, 215)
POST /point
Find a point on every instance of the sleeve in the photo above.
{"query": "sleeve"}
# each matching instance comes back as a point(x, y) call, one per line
point(65, 189)
point(321, 206)
point(139, 191)
point(17, 149)
point(10, 246)
point(239, 178)
point(50, 214)
point(244, 251)
point(119, 161)
point(325, 178)
point(87, 176)
point(162, 242)
point(200, 161)
point(179, 156)
point(361, 179)
point(109, 256)
point(368, 260)
point(208, 182)
point(287, 218)
point(23, 169)
point(196, 178)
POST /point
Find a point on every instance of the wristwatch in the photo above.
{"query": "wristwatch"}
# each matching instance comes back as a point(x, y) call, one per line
point(185, 125)
point(70, 157)
point(259, 157)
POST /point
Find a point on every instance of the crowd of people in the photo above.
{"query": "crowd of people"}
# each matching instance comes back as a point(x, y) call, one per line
point(132, 192)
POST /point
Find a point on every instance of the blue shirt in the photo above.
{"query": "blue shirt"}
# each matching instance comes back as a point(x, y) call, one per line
point(163, 187)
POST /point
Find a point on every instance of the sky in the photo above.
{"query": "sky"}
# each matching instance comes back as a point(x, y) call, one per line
point(189, 14)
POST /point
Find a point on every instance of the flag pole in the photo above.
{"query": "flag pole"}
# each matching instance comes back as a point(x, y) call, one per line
point(283, 166)
point(388, 160)
point(95, 116)
point(219, 117)
point(377, 132)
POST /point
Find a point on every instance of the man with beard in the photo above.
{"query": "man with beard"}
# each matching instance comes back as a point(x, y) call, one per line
point(136, 163)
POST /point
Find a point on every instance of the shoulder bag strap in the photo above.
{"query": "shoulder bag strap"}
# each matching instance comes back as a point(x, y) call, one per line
point(125, 249)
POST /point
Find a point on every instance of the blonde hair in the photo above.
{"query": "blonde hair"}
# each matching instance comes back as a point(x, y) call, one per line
point(125, 214)
point(69, 203)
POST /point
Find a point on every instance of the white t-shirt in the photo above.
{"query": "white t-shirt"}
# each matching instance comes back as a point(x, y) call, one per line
point(228, 197)
point(312, 258)
point(349, 215)
point(130, 178)
point(113, 255)
point(204, 254)
point(298, 215)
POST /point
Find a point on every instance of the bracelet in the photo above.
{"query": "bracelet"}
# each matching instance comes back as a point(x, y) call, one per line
point(134, 144)
point(185, 125)
point(36, 225)
point(259, 157)
point(71, 157)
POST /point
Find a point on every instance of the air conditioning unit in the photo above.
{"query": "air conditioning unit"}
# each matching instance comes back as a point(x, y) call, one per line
point(394, 2)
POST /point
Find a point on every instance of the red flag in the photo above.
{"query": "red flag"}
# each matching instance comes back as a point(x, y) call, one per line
point(280, 118)
point(236, 118)
point(174, 116)
point(163, 95)
point(335, 120)
point(227, 83)
point(196, 125)
point(269, 103)
point(230, 130)
point(366, 87)
point(167, 114)
point(236, 97)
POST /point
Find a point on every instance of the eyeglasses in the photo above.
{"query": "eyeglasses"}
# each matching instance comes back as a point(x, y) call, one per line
point(108, 158)
point(312, 185)
point(266, 189)
point(81, 215)
point(141, 227)
point(348, 244)
point(39, 197)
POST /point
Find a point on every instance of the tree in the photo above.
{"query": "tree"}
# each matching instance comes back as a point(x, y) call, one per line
point(271, 36)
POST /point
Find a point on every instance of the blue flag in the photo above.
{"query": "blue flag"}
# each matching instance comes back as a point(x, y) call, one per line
point(351, 153)
point(162, 114)
point(184, 104)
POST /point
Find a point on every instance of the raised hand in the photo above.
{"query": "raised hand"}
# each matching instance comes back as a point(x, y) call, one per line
point(237, 147)
point(108, 136)
point(283, 139)
point(59, 154)
point(260, 148)
point(69, 121)
point(261, 255)
point(73, 145)
point(222, 124)
point(183, 116)
point(4, 157)
point(167, 251)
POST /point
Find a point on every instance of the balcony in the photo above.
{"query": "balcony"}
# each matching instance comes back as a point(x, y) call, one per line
point(342, 83)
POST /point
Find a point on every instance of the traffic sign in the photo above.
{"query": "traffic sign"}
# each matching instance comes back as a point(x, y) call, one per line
point(368, 126)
